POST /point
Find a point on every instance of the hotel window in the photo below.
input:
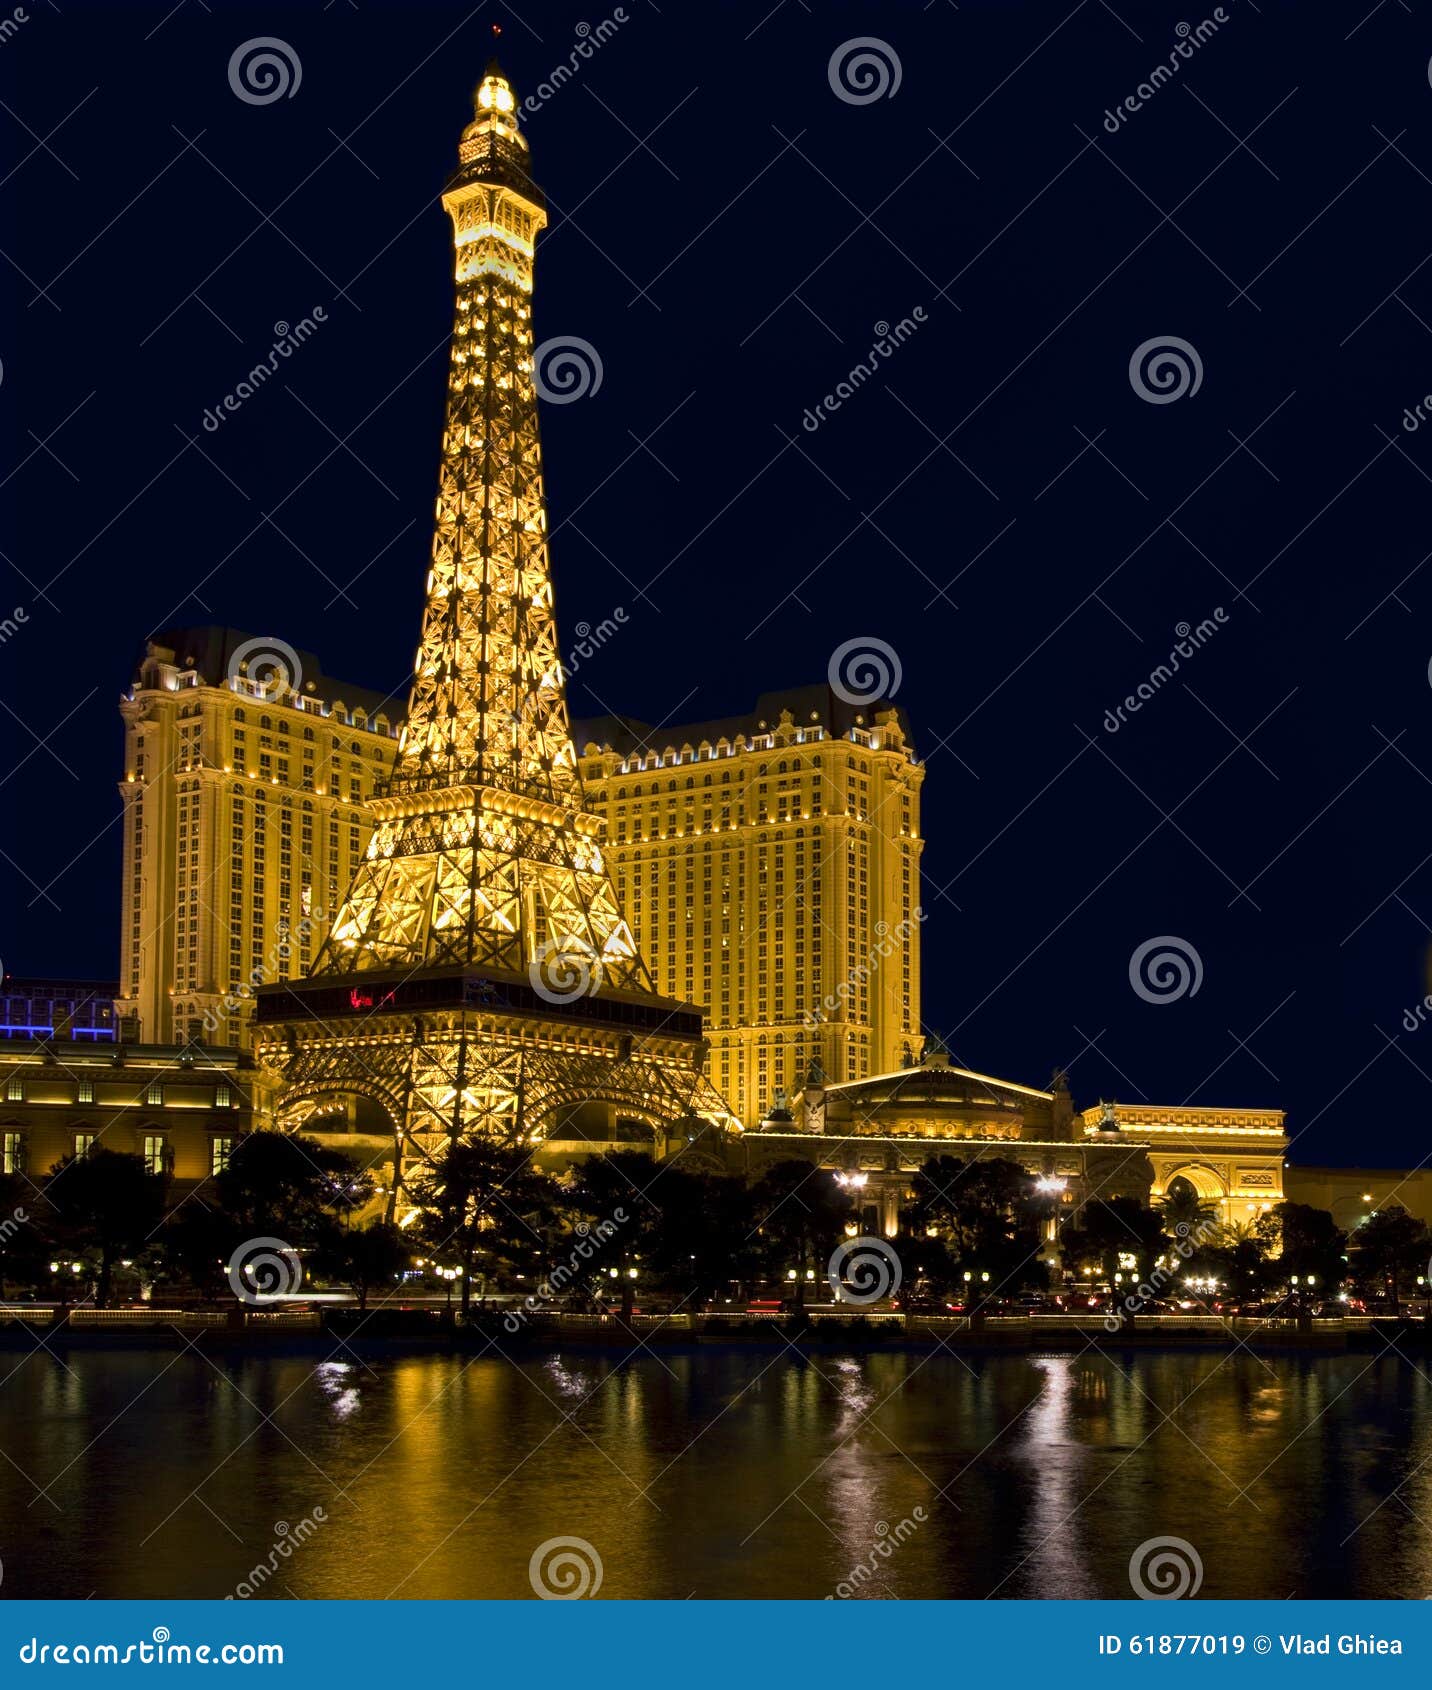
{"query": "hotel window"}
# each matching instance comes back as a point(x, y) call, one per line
point(84, 1091)
point(222, 1095)
point(85, 1142)
point(15, 1089)
point(220, 1150)
point(155, 1092)
point(154, 1152)
point(12, 1153)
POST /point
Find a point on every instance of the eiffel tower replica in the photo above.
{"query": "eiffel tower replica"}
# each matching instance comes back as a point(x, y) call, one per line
point(480, 980)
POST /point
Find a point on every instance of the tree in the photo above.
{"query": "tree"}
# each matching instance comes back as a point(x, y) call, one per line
point(1313, 1245)
point(283, 1185)
point(369, 1256)
point(705, 1234)
point(199, 1238)
point(988, 1212)
point(1109, 1228)
point(24, 1216)
point(801, 1214)
point(623, 1219)
point(1186, 1214)
point(485, 1204)
point(1242, 1254)
point(1388, 1245)
point(107, 1202)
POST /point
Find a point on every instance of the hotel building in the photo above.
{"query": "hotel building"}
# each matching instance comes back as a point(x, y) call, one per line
point(769, 865)
point(245, 772)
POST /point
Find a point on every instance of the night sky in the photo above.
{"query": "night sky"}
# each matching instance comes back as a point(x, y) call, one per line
point(997, 504)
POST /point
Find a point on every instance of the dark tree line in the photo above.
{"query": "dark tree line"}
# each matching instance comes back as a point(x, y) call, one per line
point(621, 1227)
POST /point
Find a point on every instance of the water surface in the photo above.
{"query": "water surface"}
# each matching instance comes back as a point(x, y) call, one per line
point(723, 1472)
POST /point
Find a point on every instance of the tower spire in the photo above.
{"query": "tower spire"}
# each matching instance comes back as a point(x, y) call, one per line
point(479, 979)
point(483, 852)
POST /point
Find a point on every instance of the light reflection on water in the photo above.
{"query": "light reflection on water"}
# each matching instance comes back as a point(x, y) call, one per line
point(715, 1473)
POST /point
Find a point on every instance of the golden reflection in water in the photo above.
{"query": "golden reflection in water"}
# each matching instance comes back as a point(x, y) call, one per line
point(1055, 1562)
point(726, 1471)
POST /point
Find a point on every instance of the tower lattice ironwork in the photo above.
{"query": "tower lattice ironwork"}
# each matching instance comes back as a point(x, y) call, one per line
point(479, 977)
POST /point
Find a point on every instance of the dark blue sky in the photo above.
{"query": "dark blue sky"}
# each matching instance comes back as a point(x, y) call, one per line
point(997, 504)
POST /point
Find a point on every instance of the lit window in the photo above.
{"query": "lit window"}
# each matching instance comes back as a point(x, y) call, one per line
point(154, 1152)
point(219, 1152)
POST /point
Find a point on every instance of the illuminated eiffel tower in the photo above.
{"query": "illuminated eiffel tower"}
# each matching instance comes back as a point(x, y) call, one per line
point(479, 978)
